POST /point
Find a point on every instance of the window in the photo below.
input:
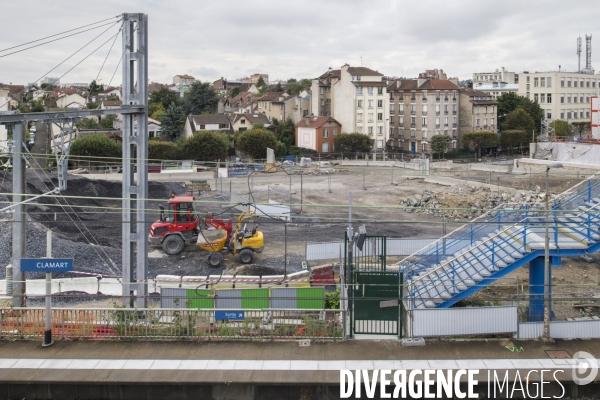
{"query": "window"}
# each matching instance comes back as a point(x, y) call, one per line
point(424, 134)
point(370, 116)
point(380, 90)
point(357, 77)
point(359, 129)
point(527, 78)
point(334, 131)
point(370, 103)
point(370, 90)
point(328, 89)
point(424, 94)
point(391, 96)
point(549, 98)
point(562, 82)
point(575, 99)
point(581, 99)
point(535, 97)
point(379, 103)
point(445, 108)
point(370, 130)
point(542, 82)
point(401, 108)
point(321, 90)
point(322, 102)
point(401, 121)
point(359, 103)
point(380, 130)
point(568, 98)
point(391, 132)
point(568, 82)
point(562, 98)
point(424, 145)
point(569, 114)
point(325, 147)
point(549, 114)
point(562, 114)
point(445, 121)
point(412, 95)
point(413, 108)
point(535, 82)
point(542, 98)
point(223, 126)
point(593, 83)
point(413, 121)
point(587, 114)
point(528, 85)
point(437, 95)
point(413, 133)
point(380, 144)
point(454, 95)
point(242, 121)
point(391, 120)
point(575, 82)
point(424, 121)
point(437, 109)
point(454, 109)
point(477, 122)
point(580, 114)
point(379, 116)
point(202, 126)
point(437, 122)
point(549, 81)
point(325, 133)
point(359, 117)
point(391, 108)
point(359, 90)
point(401, 132)
point(424, 109)
point(401, 95)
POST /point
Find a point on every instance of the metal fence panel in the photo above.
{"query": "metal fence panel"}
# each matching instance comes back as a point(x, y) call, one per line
point(255, 298)
point(324, 251)
point(464, 321)
point(283, 298)
point(310, 298)
point(575, 329)
point(530, 330)
point(229, 299)
point(172, 298)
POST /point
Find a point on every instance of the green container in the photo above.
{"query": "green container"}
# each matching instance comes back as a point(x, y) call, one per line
point(255, 298)
point(198, 299)
point(310, 298)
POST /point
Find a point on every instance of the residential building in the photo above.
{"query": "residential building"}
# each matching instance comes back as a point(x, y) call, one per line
point(419, 109)
point(496, 89)
point(224, 86)
point(272, 105)
point(254, 78)
point(71, 101)
point(154, 128)
point(478, 111)
point(51, 81)
point(433, 74)
point(562, 95)
point(243, 122)
point(241, 103)
point(207, 122)
point(183, 79)
point(296, 107)
point(357, 98)
point(317, 133)
point(500, 75)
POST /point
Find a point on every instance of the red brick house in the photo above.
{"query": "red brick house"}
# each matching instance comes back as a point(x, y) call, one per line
point(317, 133)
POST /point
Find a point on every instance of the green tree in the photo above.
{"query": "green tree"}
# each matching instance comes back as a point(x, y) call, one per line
point(306, 84)
point(261, 84)
point(205, 146)
point(88, 123)
point(561, 128)
point(172, 122)
point(156, 110)
point(94, 88)
point(581, 128)
point(510, 101)
point(200, 98)
point(480, 139)
point(37, 106)
point(352, 142)
point(518, 119)
point(96, 148)
point(47, 86)
point(439, 143)
point(278, 87)
point(92, 105)
point(509, 139)
point(107, 121)
point(234, 92)
point(164, 96)
point(254, 142)
point(159, 150)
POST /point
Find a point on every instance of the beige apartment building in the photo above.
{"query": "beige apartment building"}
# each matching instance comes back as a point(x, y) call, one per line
point(562, 95)
point(357, 98)
point(478, 111)
point(419, 109)
point(500, 75)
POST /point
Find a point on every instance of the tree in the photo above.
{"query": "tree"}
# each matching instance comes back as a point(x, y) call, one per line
point(562, 128)
point(97, 147)
point(107, 121)
point(159, 150)
point(439, 143)
point(156, 110)
point(286, 133)
point(92, 105)
point(47, 86)
point(353, 142)
point(480, 139)
point(172, 122)
point(261, 83)
point(200, 98)
point(255, 142)
point(164, 96)
point(278, 87)
point(581, 128)
point(234, 92)
point(510, 101)
point(518, 119)
point(87, 123)
point(94, 88)
point(513, 138)
point(205, 146)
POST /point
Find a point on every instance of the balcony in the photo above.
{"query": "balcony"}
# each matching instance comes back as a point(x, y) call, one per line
point(437, 98)
point(445, 98)
point(445, 124)
point(423, 112)
point(412, 135)
point(454, 125)
point(437, 113)
point(454, 112)
point(446, 112)
point(424, 99)
point(485, 127)
point(413, 125)
point(413, 112)
point(413, 98)
point(437, 125)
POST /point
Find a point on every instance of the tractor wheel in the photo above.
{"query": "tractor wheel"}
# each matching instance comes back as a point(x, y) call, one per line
point(173, 245)
point(246, 256)
point(215, 260)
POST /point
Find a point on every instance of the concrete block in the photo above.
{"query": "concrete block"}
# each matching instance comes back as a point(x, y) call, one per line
point(411, 342)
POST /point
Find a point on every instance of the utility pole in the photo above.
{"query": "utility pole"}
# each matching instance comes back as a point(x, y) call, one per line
point(18, 225)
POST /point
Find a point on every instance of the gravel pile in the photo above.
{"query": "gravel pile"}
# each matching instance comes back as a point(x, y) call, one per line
point(468, 202)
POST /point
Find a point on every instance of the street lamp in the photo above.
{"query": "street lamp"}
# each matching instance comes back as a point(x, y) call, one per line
point(547, 281)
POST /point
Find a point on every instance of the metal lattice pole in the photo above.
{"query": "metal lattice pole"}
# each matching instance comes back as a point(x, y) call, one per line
point(18, 225)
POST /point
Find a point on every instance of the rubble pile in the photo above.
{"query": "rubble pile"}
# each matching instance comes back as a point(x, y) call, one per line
point(468, 202)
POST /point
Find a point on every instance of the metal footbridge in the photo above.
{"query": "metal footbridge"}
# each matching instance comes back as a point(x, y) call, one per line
point(500, 241)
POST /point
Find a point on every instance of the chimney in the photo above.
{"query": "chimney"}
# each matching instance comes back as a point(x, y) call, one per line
point(420, 82)
point(307, 120)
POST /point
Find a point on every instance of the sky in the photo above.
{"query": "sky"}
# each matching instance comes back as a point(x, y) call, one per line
point(301, 39)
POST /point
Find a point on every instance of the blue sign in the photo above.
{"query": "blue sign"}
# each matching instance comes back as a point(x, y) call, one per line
point(46, 264)
point(229, 315)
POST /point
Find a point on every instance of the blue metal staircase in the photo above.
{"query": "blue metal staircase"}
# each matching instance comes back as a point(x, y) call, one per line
point(500, 241)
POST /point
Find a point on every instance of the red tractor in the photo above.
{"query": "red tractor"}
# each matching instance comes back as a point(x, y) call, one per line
point(180, 224)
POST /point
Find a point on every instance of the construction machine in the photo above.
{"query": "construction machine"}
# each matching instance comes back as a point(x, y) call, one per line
point(179, 224)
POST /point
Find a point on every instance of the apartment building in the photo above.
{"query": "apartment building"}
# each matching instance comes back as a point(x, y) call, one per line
point(184, 79)
point(562, 95)
point(357, 98)
point(419, 109)
point(496, 89)
point(500, 75)
point(478, 111)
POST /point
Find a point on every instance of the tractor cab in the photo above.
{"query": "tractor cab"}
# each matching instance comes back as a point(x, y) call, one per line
point(179, 217)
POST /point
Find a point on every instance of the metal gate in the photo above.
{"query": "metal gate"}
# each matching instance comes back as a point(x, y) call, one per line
point(371, 258)
point(375, 301)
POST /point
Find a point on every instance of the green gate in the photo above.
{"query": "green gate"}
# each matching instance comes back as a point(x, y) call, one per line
point(374, 293)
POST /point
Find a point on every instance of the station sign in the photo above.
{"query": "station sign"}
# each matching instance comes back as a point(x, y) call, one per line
point(46, 264)
point(230, 315)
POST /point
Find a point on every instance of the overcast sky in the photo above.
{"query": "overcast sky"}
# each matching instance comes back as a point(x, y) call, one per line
point(301, 39)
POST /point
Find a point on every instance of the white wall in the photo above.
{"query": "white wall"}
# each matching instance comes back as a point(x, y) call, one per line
point(307, 138)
